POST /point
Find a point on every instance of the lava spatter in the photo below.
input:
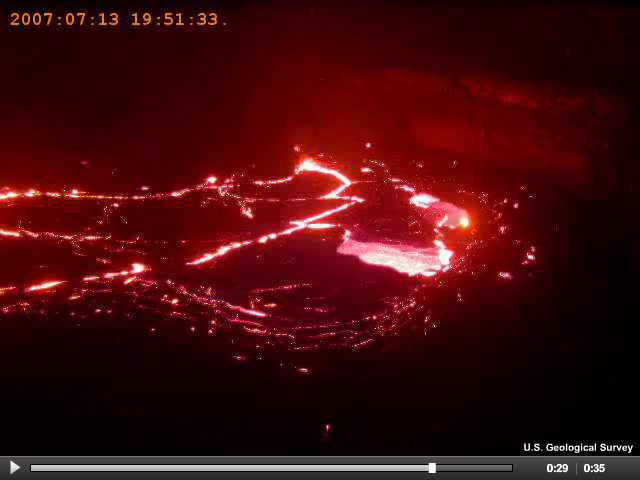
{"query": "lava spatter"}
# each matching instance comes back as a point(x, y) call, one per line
point(324, 256)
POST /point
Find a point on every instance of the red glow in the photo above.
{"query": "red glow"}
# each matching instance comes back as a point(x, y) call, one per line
point(265, 312)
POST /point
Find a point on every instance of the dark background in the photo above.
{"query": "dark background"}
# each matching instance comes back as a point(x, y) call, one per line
point(537, 93)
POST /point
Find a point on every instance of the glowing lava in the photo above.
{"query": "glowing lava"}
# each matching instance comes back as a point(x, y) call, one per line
point(44, 286)
point(402, 258)
point(289, 253)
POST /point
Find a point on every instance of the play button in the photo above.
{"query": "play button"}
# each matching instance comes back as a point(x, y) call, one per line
point(13, 468)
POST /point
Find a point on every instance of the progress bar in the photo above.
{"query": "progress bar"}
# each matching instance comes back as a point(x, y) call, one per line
point(429, 468)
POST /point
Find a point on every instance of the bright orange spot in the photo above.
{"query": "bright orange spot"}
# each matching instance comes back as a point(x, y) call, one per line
point(44, 286)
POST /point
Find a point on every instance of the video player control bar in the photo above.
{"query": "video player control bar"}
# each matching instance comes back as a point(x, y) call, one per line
point(429, 468)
